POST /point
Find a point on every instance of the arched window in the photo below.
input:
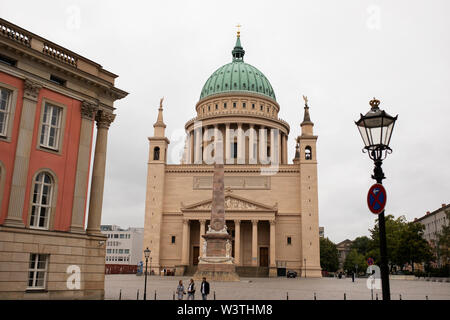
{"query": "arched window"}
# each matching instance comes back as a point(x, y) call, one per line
point(156, 153)
point(308, 153)
point(41, 201)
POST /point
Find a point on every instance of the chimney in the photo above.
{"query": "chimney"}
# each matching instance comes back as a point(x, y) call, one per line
point(428, 212)
point(443, 205)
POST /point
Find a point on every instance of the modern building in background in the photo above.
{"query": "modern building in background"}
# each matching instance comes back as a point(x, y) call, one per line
point(123, 246)
point(434, 222)
point(51, 100)
point(272, 217)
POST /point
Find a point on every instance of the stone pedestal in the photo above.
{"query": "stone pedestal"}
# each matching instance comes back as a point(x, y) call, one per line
point(216, 262)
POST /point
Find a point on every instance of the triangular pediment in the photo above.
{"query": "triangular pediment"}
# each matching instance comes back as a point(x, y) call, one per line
point(232, 203)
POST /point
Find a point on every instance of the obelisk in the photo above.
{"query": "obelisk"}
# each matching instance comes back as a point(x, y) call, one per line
point(216, 262)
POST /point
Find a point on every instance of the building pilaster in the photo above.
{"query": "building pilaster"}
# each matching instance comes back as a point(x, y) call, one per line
point(22, 156)
point(255, 243)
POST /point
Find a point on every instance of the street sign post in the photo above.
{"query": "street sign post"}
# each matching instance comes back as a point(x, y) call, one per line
point(376, 198)
point(370, 261)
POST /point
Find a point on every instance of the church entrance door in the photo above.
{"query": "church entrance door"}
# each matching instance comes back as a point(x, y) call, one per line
point(263, 257)
point(196, 253)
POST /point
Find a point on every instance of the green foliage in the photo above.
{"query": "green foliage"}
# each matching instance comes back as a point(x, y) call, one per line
point(353, 259)
point(405, 243)
point(412, 247)
point(362, 245)
point(328, 255)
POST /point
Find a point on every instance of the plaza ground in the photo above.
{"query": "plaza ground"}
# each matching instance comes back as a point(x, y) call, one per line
point(274, 288)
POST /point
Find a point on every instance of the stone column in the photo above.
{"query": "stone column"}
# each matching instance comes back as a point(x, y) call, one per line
point(88, 111)
point(240, 145)
point(217, 153)
point(202, 232)
point(272, 244)
point(279, 149)
point(272, 261)
point(237, 242)
point(273, 153)
point(227, 144)
point(263, 159)
point(198, 144)
point(251, 147)
point(191, 147)
point(22, 156)
point(185, 243)
point(285, 160)
point(255, 243)
point(104, 120)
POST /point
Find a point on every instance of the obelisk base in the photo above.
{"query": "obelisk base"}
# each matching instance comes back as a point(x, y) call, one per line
point(216, 262)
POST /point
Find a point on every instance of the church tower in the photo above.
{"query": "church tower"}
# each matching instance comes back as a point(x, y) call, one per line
point(306, 158)
point(157, 160)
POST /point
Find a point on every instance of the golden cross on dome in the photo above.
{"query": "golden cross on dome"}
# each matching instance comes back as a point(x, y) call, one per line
point(238, 30)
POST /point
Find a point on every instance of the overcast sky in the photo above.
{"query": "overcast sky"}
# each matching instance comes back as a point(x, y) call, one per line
point(338, 53)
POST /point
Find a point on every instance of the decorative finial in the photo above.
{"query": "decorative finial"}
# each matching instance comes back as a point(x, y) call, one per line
point(238, 30)
point(305, 98)
point(374, 103)
point(161, 103)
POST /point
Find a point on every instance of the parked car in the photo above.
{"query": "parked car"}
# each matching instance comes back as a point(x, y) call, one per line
point(291, 274)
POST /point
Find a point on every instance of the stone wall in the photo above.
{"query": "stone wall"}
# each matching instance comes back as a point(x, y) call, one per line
point(64, 250)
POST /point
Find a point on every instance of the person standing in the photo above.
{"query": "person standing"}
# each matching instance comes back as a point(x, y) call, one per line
point(180, 290)
point(204, 289)
point(191, 290)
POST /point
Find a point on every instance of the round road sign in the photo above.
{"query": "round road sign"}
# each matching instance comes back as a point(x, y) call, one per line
point(376, 198)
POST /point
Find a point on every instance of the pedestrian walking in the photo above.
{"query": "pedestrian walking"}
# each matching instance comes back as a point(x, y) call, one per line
point(204, 289)
point(191, 290)
point(180, 290)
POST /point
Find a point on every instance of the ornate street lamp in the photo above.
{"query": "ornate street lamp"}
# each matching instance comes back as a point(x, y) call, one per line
point(147, 255)
point(376, 128)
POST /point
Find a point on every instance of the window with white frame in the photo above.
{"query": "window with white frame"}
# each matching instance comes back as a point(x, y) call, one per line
point(5, 97)
point(41, 202)
point(51, 126)
point(37, 272)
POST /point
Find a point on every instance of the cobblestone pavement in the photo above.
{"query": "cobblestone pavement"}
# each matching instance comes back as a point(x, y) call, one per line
point(274, 288)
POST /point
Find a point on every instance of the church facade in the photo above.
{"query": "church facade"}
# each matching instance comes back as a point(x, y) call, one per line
point(271, 204)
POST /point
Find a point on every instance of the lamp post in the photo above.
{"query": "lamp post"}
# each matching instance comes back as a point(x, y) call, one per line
point(147, 255)
point(376, 128)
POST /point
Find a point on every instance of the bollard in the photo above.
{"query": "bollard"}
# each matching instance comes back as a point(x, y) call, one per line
point(376, 296)
point(345, 296)
point(214, 295)
point(400, 296)
point(426, 297)
point(315, 296)
point(120, 294)
point(137, 295)
point(287, 295)
point(174, 295)
point(155, 294)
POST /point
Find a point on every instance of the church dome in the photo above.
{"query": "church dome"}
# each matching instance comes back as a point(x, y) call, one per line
point(237, 76)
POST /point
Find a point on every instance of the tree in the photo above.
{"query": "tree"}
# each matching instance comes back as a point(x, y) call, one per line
point(353, 259)
point(328, 255)
point(361, 245)
point(412, 247)
point(394, 230)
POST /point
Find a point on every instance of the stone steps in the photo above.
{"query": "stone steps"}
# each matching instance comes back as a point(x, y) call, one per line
point(252, 271)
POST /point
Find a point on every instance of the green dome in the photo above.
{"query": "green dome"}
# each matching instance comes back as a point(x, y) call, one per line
point(237, 76)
